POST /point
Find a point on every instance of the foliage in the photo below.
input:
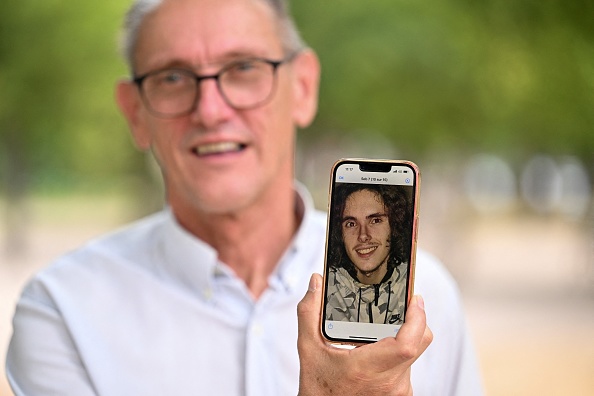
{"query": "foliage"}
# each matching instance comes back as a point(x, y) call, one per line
point(58, 65)
point(506, 76)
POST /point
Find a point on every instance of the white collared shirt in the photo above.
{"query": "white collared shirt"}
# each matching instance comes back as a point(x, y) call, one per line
point(150, 310)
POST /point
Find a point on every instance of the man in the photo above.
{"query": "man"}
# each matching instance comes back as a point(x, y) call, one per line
point(200, 298)
point(369, 254)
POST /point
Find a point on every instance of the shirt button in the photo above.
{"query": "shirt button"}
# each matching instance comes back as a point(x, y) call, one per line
point(207, 293)
point(291, 281)
point(257, 329)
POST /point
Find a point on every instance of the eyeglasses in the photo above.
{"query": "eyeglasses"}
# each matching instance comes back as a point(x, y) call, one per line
point(244, 84)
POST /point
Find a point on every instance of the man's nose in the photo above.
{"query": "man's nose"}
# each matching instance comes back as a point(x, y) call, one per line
point(364, 234)
point(211, 108)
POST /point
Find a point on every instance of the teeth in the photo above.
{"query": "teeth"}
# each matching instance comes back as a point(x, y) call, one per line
point(218, 148)
point(367, 250)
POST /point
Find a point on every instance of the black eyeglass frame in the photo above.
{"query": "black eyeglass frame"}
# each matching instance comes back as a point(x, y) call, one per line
point(138, 80)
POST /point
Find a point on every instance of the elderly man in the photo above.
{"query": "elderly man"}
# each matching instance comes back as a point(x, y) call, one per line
point(200, 298)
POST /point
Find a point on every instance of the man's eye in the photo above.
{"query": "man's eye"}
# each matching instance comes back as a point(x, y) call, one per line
point(244, 66)
point(246, 69)
point(376, 220)
point(349, 224)
point(172, 77)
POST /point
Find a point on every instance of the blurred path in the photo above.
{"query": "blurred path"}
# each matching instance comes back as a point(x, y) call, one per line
point(528, 287)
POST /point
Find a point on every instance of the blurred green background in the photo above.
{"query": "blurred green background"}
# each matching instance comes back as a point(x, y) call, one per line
point(494, 99)
point(508, 77)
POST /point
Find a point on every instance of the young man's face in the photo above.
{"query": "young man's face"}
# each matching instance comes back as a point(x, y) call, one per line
point(249, 152)
point(366, 235)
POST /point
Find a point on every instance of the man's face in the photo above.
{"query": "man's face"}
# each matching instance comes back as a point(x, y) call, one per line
point(245, 154)
point(366, 233)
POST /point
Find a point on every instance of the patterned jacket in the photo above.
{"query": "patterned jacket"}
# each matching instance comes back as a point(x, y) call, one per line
point(352, 301)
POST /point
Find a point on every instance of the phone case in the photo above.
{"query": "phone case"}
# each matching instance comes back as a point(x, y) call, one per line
point(370, 253)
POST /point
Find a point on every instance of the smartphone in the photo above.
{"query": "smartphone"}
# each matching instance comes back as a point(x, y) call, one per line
point(370, 249)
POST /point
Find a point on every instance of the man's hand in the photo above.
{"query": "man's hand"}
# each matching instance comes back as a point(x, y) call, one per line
point(381, 368)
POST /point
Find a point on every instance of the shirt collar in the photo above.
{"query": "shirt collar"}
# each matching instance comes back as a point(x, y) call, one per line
point(193, 263)
point(303, 253)
point(188, 260)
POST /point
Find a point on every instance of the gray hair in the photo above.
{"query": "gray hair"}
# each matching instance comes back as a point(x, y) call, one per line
point(290, 37)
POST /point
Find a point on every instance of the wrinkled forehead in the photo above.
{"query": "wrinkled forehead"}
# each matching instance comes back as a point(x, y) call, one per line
point(207, 31)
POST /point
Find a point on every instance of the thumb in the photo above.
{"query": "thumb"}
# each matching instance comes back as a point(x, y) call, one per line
point(309, 311)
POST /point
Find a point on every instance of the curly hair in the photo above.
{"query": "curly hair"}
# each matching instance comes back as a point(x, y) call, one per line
point(397, 203)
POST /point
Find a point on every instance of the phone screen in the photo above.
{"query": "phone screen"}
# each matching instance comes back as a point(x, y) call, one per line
point(370, 249)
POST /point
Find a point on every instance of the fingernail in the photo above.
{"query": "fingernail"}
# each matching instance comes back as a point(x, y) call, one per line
point(313, 283)
point(421, 302)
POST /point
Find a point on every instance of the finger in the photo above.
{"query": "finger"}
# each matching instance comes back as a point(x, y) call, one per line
point(415, 321)
point(411, 339)
point(309, 311)
point(412, 335)
point(427, 339)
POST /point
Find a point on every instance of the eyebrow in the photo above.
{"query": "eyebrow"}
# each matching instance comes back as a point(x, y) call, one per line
point(224, 59)
point(172, 64)
point(176, 64)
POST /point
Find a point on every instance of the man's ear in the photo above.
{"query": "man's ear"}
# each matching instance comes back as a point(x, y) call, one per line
point(130, 104)
point(305, 91)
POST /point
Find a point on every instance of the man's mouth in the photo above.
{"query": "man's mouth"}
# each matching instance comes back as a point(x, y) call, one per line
point(219, 148)
point(367, 250)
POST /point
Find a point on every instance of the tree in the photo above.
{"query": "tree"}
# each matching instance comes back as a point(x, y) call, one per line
point(505, 76)
point(58, 63)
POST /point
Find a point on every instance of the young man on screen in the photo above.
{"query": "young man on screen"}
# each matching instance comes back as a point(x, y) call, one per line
point(369, 253)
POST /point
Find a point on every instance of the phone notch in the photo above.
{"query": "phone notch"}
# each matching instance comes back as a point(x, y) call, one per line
point(375, 167)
